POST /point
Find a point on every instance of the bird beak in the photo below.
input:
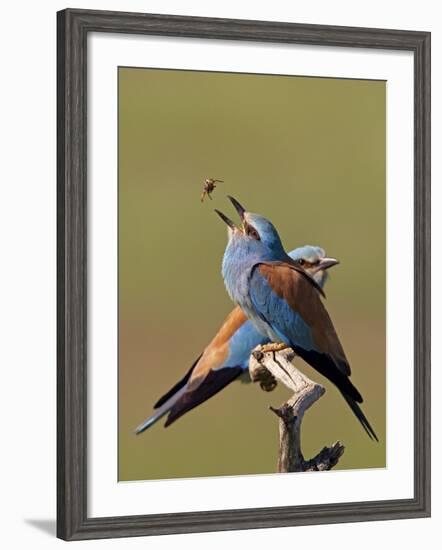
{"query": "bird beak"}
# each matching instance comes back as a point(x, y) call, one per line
point(326, 263)
point(241, 211)
point(226, 220)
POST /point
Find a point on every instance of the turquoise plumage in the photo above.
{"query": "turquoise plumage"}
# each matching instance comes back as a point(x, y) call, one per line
point(283, 301)
point(227, 355)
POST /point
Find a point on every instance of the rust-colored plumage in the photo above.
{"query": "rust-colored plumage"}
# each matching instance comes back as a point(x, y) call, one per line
point(227, 355)
point(293, 308)
point(217, 351)
point(209, 374)
point(283, 301)
point(303, 298)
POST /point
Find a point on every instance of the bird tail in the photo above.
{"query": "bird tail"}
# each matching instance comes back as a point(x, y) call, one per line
point(167, 401)
point(161, 411)
point(360, 416)
point(178, 385)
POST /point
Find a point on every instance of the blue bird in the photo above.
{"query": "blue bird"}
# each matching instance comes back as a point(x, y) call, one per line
point(283, 301)
point(227, 355)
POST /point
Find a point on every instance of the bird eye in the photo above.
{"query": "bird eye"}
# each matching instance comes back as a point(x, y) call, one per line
point(301, 262)
point(251, 231)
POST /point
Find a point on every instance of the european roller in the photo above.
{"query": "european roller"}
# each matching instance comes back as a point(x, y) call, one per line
point(227, 356)
point(284, 301)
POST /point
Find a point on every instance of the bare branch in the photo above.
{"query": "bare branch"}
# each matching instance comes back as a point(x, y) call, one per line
point(267, 367)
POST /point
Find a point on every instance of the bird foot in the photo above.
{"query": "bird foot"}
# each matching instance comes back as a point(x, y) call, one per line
point(273, 347)
point(265, 378)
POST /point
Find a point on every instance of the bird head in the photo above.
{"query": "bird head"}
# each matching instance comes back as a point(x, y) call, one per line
point(255, 233)
point(314, 261)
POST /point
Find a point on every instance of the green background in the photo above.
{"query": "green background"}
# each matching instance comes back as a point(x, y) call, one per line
point(308, 153)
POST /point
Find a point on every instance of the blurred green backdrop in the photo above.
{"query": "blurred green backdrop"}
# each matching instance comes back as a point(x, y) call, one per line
point(309, 153)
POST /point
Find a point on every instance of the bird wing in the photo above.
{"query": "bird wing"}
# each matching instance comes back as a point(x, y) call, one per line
point(288, 301)
point(290, 263)
point(180, 384)
point(213, 382)
point(220, 364)
point(216, 354)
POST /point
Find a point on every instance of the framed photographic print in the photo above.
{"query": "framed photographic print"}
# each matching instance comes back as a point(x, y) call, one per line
point(243, 250)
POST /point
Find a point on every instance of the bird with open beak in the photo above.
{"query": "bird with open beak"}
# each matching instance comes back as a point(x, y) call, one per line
point(284, 301)
point(227, 356)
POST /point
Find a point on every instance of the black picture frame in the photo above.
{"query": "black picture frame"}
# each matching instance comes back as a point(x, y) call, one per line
point(73, 27)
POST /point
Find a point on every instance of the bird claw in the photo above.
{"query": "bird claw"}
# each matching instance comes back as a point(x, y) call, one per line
point(267, 381)
point(273, 347)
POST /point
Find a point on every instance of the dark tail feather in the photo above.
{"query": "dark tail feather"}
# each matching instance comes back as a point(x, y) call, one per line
point(360, 416)
point(214, 382)
point(325, 365)
point(160, 412)
point(177, 386)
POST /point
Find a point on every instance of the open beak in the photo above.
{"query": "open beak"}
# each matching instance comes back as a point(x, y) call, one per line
point(227, 220)
point(326, 263)
point(241, 211)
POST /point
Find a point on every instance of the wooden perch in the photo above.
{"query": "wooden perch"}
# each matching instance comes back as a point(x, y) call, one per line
point(269, 367)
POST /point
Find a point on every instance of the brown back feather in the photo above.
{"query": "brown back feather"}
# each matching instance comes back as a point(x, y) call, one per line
point(217, 351)
point(302, 296)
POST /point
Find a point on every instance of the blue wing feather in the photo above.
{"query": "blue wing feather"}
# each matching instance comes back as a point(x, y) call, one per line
point(286, 323)
point(242, 343)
